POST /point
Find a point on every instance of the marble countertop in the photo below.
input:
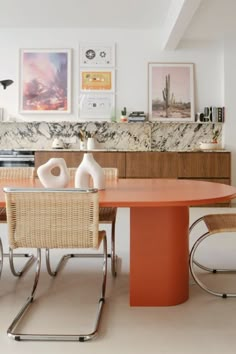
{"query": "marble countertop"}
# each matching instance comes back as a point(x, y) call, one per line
point(116, 150)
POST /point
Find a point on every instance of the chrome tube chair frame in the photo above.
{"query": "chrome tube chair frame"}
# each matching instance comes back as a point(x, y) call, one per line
point(107, 215)
point(54, 218)
point(215, 223)
point(12, 173)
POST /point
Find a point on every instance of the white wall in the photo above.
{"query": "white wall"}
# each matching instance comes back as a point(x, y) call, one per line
point(134, 50)
point(230, 101)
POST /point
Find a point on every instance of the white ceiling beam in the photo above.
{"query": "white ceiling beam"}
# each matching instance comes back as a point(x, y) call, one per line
point(178, 18)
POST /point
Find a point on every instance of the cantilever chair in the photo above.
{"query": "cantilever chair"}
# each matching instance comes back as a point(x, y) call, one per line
point(215, 223)
point(13, 173)
point(106, 216)
point(54, 218)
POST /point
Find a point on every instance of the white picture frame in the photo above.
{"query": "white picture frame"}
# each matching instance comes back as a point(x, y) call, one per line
point(97, 106)
point(45, 81)
point(97, 80)
point(97, 55)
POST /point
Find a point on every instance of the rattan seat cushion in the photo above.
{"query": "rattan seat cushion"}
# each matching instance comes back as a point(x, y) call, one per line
point(220, 222)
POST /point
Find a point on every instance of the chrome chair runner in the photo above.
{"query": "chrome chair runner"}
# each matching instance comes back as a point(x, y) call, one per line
point(11, 173)
point(31, 222)
point(106, 216)
point(215, 223)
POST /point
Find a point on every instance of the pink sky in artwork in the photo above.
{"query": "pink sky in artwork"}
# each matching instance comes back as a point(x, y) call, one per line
point(179, 82)
point(45, 81)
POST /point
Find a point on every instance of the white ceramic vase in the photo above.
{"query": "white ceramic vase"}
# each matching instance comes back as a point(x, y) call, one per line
point(49, 180)
point(83, 144)
point(89, 168)
point(91, 144)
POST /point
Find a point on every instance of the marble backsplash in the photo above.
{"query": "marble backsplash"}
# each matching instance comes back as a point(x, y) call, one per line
point(146, 136)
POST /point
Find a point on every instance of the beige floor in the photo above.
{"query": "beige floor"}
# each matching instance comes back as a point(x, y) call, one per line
point(204, 324)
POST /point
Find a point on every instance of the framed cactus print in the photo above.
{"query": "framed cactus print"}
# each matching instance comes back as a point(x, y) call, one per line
point(171, 92)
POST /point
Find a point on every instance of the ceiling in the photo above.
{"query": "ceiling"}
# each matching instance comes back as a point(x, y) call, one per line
point(198, 19)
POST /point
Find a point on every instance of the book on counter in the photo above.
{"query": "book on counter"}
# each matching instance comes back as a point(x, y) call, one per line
point(217, 114)
point(137, 116)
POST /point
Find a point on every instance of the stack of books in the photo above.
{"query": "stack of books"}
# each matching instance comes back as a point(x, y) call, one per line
point(137, 116)
point(217, 114)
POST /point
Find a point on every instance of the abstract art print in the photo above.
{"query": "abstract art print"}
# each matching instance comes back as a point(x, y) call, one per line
point(171, 94)
point(45, 81)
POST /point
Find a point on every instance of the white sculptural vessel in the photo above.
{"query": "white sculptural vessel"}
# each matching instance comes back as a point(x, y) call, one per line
point(87, 169)
point(49, 180)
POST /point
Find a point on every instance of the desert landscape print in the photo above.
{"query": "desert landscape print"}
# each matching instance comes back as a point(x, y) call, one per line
point(171, 92)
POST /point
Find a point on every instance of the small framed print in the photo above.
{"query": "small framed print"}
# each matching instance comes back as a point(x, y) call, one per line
point(171, 92)
point(97, 105)
point(96, 55)
point(45, 81)
point(97, 80)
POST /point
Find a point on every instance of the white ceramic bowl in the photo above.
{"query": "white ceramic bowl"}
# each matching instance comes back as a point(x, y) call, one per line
point(210, 146)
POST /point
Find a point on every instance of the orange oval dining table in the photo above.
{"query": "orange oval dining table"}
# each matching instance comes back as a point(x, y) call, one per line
point(159, 223)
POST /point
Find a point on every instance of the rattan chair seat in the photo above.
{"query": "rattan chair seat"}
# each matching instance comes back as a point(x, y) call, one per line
point(220, 222)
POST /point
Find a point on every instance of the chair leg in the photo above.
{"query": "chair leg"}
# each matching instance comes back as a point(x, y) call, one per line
point(194, 275)
point(67, 256)
point(59, 337)
point(11, 255)
point(113, 251)
point(208, 269)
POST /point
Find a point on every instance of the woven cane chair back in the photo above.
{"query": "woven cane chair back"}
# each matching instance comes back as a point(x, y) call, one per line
point(47, 218)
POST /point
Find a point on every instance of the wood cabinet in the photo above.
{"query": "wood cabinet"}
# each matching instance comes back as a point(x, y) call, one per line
point(205, 165)
point(208, 166)
point(151, 164)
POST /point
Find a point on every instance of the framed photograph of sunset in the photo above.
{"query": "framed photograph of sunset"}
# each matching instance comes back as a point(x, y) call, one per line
point(45, 81)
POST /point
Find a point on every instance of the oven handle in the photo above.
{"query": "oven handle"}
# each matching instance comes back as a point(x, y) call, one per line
point(21, 159)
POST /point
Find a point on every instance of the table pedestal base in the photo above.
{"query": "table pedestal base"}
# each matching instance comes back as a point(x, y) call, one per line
point(159, 252)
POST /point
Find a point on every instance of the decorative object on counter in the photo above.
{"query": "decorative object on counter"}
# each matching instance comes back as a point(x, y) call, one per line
point(214, 114)
point(91, 143)
point(57, 143)
point(213, 144)
point(87, 169)
point(83, 140)
point(123, 117)
point(171, 96)
point(49, 180)
point(137, 116)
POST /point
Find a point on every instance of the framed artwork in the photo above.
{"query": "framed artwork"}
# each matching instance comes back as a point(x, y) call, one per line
point(45, 81)
point(97, 105)
point(97, 80)
point(171, 92)
point(96, 55)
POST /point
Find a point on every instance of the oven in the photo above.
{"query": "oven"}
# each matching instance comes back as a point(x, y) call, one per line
point(16, 158)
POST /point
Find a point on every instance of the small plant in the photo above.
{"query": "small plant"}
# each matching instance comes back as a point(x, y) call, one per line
point(215, 135)
point(124, 111)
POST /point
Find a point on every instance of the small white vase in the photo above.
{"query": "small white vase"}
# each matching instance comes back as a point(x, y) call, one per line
point(46, 177)
point(83, 144)
point(91, 144)
point(87, 169)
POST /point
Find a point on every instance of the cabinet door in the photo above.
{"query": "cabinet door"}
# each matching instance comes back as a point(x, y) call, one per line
point(151, 165)
point(204, 165)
